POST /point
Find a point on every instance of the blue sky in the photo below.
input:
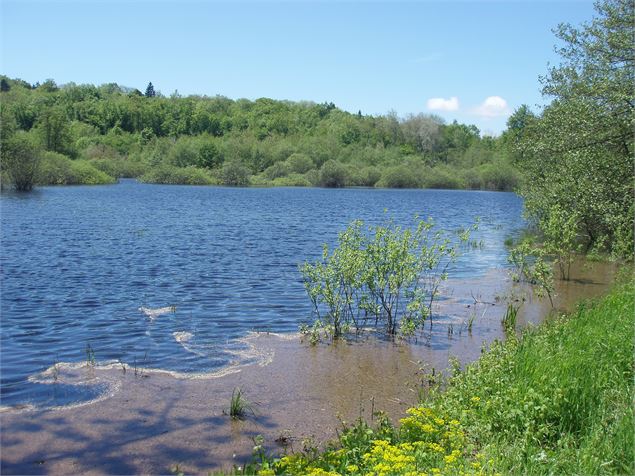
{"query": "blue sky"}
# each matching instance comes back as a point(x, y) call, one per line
point(474, 61)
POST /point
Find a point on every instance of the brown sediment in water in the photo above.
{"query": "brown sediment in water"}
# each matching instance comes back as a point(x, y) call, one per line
point(152, 421)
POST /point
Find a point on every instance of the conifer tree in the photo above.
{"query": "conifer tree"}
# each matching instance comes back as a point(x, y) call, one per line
point(150, 91)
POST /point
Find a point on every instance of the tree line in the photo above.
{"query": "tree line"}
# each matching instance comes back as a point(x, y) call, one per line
point(123, 132)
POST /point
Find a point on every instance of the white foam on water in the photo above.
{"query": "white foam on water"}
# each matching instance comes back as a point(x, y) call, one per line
point(17, 408)
point(75, 373)
point(246, 351)
point(184, 338)
point(154, 313)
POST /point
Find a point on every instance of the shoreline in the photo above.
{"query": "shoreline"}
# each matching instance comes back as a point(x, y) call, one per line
point(155, 421)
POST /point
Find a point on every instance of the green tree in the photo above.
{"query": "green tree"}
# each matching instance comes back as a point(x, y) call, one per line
point(209, 155)
point(20, 160)
point(53, 128)
point(578, 154)
point(150, 93)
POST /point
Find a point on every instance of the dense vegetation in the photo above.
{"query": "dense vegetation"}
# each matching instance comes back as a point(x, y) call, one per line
point(557, 400)
point(577, 154)
point(383, 276)
point(216, 140)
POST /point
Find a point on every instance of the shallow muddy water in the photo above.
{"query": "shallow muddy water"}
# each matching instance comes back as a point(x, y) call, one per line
point(148, 421)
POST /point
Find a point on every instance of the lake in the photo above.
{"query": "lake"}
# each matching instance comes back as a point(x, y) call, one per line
point(78, 263)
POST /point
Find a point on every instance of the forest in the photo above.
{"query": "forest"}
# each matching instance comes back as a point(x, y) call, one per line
point(95, 134)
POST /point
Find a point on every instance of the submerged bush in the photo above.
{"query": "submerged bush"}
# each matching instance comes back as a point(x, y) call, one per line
point(386, 275)
point(57, 169)
point(400, 176)
point(21, 159)
point(332, 175)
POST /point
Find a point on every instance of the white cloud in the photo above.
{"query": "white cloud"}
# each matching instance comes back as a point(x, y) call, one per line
point(440, 104)
point(493, 106)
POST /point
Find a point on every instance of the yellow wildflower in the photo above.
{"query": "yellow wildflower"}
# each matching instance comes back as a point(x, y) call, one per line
point(449, 459)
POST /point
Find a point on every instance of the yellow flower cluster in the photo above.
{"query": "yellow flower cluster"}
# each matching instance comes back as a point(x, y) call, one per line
point(385, 458)
point(423, 425)
point(429, 443)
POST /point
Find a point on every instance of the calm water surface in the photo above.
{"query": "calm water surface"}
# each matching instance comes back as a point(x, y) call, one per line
point(77, 263)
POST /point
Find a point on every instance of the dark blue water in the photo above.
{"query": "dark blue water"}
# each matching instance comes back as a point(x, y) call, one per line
point(78, 262)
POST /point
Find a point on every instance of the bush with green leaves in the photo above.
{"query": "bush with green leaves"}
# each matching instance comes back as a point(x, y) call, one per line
point(299, 163)
point(234, 174)
point(277, 170)
point(561, 240)
point(292, 180)
point(385, 276)
point(169, 175)
point(400, 176)
point(57, 169)
point(21, 159)
point(333, 175)
point(529, 266)
point(120, 167)
point(442, 177)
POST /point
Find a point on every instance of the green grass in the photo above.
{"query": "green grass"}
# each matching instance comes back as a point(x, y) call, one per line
point(510, 317)
point(239, 406)
point(557, 400)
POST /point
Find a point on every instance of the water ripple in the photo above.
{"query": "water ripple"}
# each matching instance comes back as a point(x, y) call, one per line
point(78, 263)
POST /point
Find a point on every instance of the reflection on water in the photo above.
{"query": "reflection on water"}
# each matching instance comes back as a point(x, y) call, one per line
point(171, 277)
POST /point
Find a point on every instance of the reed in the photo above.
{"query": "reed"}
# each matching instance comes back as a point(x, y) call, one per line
point(239, 406)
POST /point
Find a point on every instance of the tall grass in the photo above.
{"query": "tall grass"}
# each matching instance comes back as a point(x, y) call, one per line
point(510, 317)
point(239, 406)
point(558, 399)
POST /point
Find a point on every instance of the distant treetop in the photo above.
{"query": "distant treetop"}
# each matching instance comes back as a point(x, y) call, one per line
point(150, 93)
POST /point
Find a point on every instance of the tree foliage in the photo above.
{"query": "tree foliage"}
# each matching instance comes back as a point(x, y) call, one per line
point(275, 142)
point(577, 155)
point(150, 93)
point(21, 160)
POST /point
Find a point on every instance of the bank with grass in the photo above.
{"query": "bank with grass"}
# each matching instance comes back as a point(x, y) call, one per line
point(556, 399)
